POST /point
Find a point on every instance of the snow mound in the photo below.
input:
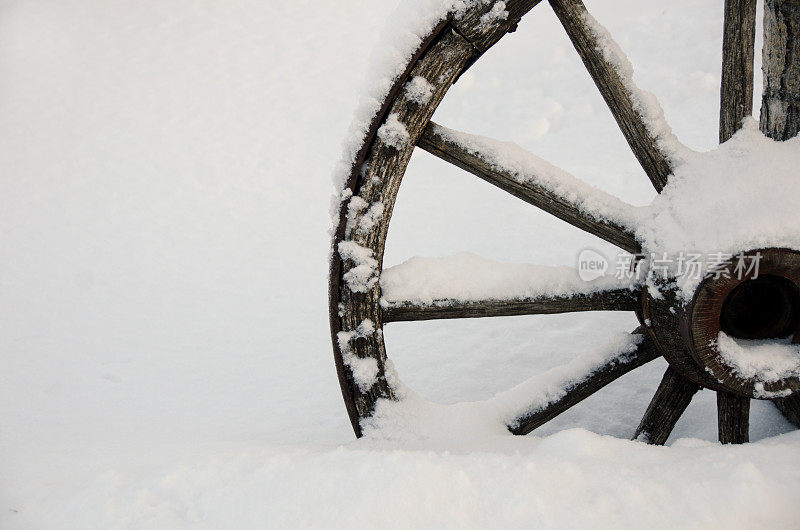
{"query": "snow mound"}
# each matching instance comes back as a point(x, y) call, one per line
point(569, 480)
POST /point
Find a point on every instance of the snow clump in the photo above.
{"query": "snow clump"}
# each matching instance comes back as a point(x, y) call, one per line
point(393, 132)
point(364, 274)
point(419, 90)
point(496, 14)
point(364, 369)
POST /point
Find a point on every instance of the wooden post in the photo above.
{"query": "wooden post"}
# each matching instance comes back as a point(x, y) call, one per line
point(780, 104)
point(736, 90)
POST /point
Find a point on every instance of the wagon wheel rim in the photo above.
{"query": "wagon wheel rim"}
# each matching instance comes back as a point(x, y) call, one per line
point(357, 311)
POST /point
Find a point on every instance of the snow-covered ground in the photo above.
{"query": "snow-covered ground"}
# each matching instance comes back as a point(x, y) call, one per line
point(165, 174)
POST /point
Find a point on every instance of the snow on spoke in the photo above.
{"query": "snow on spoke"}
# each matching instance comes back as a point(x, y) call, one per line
point(545, 396)
point(466, 277)
point(638, 113)
point(614, 300)
point(532, 179)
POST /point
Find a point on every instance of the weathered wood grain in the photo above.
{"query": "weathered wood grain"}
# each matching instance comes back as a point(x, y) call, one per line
point(780, 101)
point(673, 395)
point(613, 300)
point(655, 163)
point(736, 90)
point(613, 370)
point(733, 418)
point(433, 141)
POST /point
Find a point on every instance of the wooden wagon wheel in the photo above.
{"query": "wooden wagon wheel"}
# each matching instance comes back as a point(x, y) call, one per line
point(678, 331)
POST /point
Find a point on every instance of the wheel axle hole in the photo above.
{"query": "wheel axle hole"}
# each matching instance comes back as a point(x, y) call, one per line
point(767, 307)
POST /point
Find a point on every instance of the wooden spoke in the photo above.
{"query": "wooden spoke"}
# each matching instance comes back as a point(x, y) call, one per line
point(614, 300)
point(733, 418)
point(674, 394)
point(614, 89)
point(589, 384)
point(435, 141)
point(790, 408)
point(780, 102)
point(736, 92)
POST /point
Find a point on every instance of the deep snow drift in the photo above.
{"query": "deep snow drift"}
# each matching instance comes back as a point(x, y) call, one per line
point(165, 351)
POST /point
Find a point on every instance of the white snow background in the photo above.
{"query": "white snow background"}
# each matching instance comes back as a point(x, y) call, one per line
point(165, 178)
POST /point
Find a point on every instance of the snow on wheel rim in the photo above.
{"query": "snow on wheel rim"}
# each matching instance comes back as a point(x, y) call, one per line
point(464, 31)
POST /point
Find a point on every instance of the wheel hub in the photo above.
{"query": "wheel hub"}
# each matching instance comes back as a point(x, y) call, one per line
point(738, 305)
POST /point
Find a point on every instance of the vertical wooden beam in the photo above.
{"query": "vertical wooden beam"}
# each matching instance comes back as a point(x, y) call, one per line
point(668, 404)
point(733, 418)
point(736, 90)
point(780, 102)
